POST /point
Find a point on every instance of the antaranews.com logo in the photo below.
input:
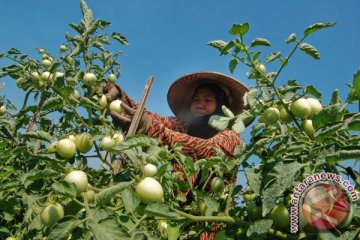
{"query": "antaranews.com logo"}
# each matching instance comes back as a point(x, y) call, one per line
point(323, 200)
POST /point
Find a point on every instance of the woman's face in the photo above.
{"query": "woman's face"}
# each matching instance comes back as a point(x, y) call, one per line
point(203, 102)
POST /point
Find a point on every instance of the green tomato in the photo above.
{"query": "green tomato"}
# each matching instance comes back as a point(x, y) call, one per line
point(118, 138)
point(149, 170)
point(149, 190)
point(308, 127)
point(280, 216)
point(75, 94)
point(271, 115)
point(89, 78)
point(249, 197)
point(315, 106)
point(52, 147)
point(115, 106)
point(41, 50)
point(254, 211)
point(35, 76)
point(217, 184)
point(2, 110)
point(90, 195)
point(285, 116)
point(261, 67)
point(51, 213)
point(103, 102)
point(112, 78)
point(63, 47)
point(163, 229)
point(301, 108)
point(202, 207)
point(66, 148)
point(107, 143)
point(83, 142)
point(58, 75)
point(46, 63)
point(45, 76)
point(79, 178)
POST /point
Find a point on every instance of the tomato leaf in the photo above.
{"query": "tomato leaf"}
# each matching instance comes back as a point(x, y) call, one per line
point(107, 194)
point(329, 114)
point(40, 174)
point(41, 135)
point(232, 64)
point(226, 49)
point(259, 229)
point(53, 103)
point(160, 209)
point(218, 44)
point(239, 29)
point(65, 188)
point(317, 26)
point(108, 229)
point(130, 200)
point(260, 42)
point(219, 122)
point(291, 38)
point(120, 38)
point(313, 91)
point(356, 82)
point(310, 50)
point(13, 51)
point(61, 231)
point(173, 231)
point(87, 103)
point(272, 56)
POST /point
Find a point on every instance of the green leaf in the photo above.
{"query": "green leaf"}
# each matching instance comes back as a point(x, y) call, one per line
point(160, 209)
point(227, 48)
point(313, 91)
point(227, 112)
point(13, 51)
point(212, 206)
point(284, 174)
point(173, 231)
point(238, 126)
point(120, 38)
point(335, 97)
point(239, 29)
point(65, 188)
point(218, 44)
point(219, 122)
point(310, 50)
point(317, 26)
point(356, 82)
point(62, 230)
point(53, 103)
point(291, 38)
point(41, 135)
point(272, 56)
point(40, 174)
point(232, 64)
point(87, 14)
point(254, 180)
point(341, 155)
point(105, 195)
point(87, 103)
point(260, 42)
point(108, 229)
point(130, 200)
point(259, 229)
point(327, 115)
point(226, 234)
point(135, 141)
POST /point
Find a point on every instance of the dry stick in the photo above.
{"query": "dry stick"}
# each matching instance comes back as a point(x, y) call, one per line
point(137, 116)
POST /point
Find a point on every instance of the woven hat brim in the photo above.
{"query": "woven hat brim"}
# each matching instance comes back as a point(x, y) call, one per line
point(182, 90)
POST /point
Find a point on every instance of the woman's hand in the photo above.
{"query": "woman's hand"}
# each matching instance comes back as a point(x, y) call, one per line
point(124, 122)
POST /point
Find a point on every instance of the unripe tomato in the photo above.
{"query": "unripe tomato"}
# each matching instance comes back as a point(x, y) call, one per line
point(75, 94)
point(249, 197)
point(280, 216)
point(271, 115)
point(118, 138)
point(44, 56)
point(163, 226)
point(89, 78)
point(79, 178)
point(308, 127)
point(107, 143)
point(112, 78)
point(59, 74)
point(46, 63)
point(52, 147)
point(90, 195)
point(72, 138)
point(217, 184)
point(45, 76)
point(63, 47)
point(315, 106)
point(149, 190)
point(285, 116)
point(66, 148)
point(35, 76)
point(261, 67)
point(254, 211)
point(149, 170)
point(51, 214)
point(41, 50)
point(2, 110)
point(83, 142)
point(115, 106)
point(103, 102)
point(203, 208)
point(301, 108)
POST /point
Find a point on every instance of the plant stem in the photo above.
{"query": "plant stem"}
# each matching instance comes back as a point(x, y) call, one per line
point(225, 219)
point(187, 178)
point(138, 222)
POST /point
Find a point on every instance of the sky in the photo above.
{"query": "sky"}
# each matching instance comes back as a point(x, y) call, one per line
point(168, 38)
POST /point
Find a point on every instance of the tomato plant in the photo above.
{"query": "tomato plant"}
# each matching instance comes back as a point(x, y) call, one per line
point(64, 124)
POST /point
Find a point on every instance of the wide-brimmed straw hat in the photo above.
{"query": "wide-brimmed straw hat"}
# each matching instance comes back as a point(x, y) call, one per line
point(182, 90)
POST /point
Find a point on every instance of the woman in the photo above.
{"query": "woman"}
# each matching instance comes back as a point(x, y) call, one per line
point(193, 98)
